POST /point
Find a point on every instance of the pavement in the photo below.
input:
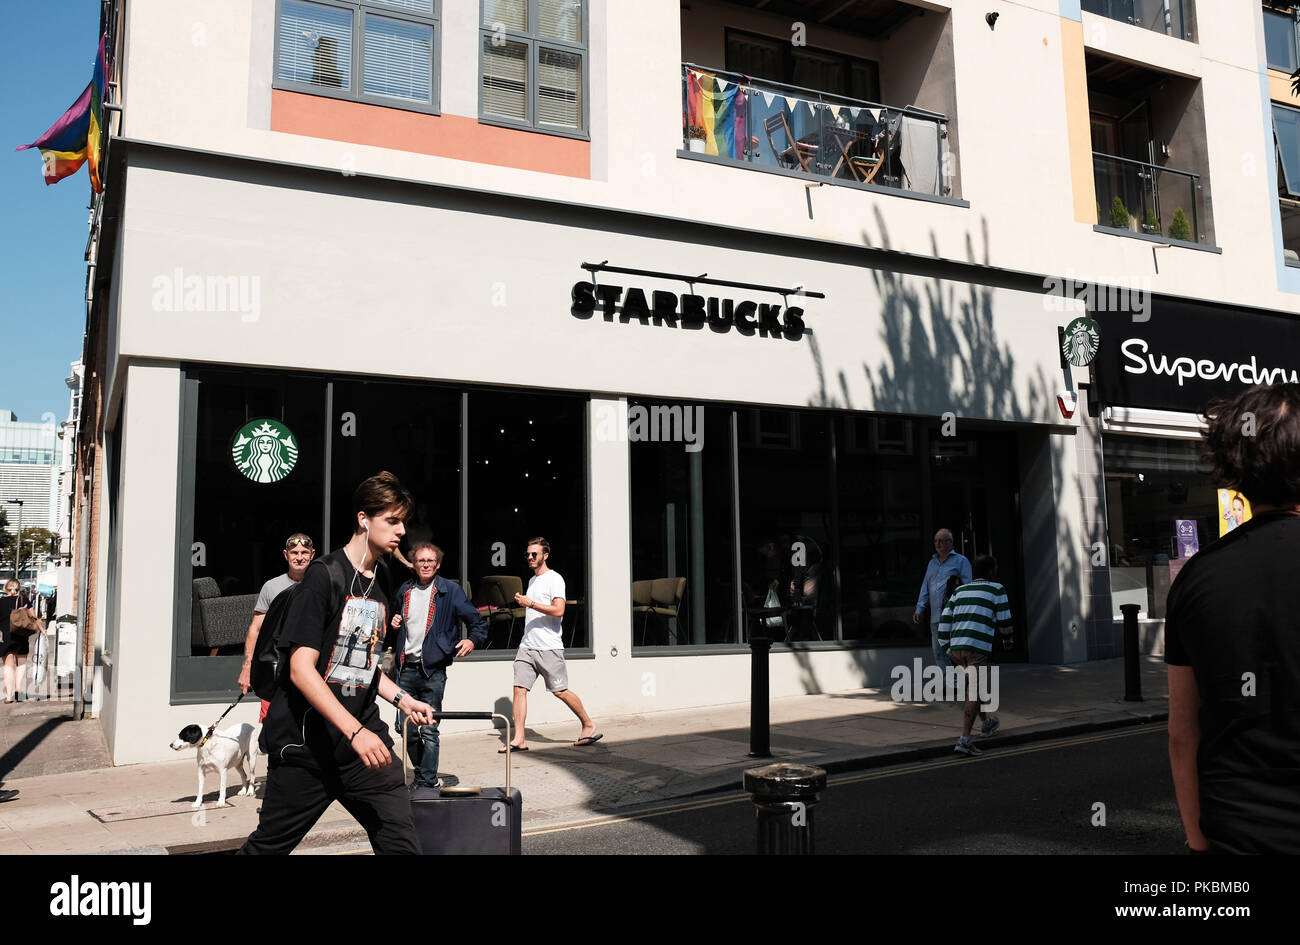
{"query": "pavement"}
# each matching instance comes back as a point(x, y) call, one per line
point(73, 801)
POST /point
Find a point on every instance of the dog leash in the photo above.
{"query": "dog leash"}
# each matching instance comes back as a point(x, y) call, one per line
point(213, 727)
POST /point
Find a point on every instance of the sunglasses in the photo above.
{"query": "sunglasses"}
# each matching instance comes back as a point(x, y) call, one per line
point(301, 540)
point(534, 554)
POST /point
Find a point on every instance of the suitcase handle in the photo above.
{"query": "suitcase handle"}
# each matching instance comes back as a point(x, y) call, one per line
point(463, 716)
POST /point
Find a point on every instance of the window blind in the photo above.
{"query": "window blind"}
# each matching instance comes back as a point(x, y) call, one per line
point(397, 59)
point(505, 79)
point(559, 88)
point(560, 19)
point(512, 14)
point(316, 45)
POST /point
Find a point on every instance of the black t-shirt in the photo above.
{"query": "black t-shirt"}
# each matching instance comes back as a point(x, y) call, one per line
point(1235, 610)
point(349, 633)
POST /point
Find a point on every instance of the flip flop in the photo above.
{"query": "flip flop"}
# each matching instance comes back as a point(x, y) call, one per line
point(588, 740)
point(502, 751)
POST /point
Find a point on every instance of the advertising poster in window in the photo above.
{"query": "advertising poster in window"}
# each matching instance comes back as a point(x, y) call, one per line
point(1234, 509)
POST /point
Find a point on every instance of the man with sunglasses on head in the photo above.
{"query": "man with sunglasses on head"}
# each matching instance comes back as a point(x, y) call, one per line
point(298, 552)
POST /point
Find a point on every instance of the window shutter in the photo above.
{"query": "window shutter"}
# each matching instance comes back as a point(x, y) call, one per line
point(410, 6)
point(397, 59)
point(316, 45)
point(505, 79)
point(559, 88)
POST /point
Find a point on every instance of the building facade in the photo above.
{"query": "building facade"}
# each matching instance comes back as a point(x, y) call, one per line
point(29, 474)
point(736, 303)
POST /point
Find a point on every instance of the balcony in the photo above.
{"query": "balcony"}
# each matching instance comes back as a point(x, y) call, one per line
point(1159, 16)
point(766, 125)
point(1147, 198)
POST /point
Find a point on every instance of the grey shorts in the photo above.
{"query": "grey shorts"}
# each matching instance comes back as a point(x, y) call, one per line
point(549, 664)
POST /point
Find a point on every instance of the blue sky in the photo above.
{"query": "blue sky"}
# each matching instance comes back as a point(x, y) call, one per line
point(47, 51)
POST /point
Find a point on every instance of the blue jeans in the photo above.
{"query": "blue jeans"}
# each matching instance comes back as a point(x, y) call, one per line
point(424, 749)
point(940, 657)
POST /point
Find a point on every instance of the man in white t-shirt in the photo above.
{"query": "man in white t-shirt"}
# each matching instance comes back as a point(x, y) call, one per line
point(298, 552)
point(541, 651)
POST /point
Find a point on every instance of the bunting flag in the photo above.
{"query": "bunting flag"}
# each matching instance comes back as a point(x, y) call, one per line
point(78, 134)
point(720, 113)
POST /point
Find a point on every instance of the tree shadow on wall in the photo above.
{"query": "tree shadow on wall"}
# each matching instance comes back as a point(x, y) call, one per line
point(940, 352)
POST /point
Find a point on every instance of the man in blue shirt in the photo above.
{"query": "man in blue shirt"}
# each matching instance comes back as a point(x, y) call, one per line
point(944, 563)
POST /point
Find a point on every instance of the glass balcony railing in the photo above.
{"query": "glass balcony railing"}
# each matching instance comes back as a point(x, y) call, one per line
point(1159, 16)
point(757, 123)
point(1147, 198)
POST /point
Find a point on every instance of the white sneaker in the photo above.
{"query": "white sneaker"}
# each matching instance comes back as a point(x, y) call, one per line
point(964, 746)
point(989, 726)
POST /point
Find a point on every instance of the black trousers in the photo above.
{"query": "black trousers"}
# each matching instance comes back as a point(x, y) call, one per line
point(296, 797)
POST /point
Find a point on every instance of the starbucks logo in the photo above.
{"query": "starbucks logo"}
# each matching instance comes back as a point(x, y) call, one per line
point(1081, 341)
point(264, 450)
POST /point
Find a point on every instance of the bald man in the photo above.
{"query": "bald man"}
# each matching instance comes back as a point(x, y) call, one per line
point(944, 563)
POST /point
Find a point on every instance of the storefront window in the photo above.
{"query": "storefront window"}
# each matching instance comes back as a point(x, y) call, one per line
point(879, 484)
point(682, 537)
point(527, 477)
point(786, 521)
point(259, 463)
point(1152, 485)
point(413, 431)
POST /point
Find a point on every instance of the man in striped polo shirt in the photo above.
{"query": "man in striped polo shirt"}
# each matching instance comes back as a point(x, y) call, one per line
point(973, 614)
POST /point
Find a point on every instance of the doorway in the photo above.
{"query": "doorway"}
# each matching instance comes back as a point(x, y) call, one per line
point(974, 491)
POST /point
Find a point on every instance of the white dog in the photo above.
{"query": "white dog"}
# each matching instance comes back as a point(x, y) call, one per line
point(234, 747)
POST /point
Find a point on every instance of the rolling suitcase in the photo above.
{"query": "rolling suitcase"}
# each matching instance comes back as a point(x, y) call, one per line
point(467, 820)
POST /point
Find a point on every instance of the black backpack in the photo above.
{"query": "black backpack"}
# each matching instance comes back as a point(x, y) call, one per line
point(269, 656)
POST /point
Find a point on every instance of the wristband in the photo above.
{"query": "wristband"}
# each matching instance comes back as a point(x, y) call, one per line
point(356, 733)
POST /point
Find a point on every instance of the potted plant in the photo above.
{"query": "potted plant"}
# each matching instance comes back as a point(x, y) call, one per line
point(1119, 215)
point(1151, 225)
point(1179, 228)
point(695, 138)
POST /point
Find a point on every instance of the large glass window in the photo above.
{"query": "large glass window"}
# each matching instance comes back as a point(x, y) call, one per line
point(682, 533)
point(1151, 485)
point(1280, 40)
point(879, 486)
point(1286, 133)
point(819, 70)
point(527, 475)
point(787, 507)
point(382, 51)
point(533, 60)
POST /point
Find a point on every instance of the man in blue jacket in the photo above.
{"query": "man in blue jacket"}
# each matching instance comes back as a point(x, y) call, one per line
point(425, 612)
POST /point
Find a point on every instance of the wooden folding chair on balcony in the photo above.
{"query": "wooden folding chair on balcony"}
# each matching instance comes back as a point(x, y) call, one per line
point(796, 153)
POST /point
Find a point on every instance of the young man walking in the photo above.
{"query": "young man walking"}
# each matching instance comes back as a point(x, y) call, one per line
point(541, 652)
point(426, 612)
point(966, 631)
point(323, 737)
point(298, 552)
point(1232, 641)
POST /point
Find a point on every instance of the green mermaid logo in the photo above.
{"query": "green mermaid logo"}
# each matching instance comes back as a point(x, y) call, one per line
point(264, 450)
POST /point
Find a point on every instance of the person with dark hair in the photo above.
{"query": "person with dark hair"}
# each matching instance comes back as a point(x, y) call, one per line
point(972, 614)
point(1234, 670)
point(541, 651)
point(13, 645)
point(323, 737)
point(426, 612)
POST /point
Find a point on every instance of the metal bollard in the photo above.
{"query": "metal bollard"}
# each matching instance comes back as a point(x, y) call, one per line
point(760, 734)
point(784, 796)
point(1132, 667)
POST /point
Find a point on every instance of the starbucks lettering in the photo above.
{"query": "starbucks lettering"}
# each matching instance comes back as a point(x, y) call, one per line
point(689, 312)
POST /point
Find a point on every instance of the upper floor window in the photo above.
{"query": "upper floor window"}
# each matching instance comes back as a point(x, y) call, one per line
point(818, 70)
point(381, 51)
point(1280, 39)
point(533, 64)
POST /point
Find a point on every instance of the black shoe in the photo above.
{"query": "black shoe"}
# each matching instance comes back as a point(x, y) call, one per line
point(8, 795)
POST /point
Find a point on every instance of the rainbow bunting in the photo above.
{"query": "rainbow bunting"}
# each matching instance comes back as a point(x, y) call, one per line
point(720, 113)
point(77, 137)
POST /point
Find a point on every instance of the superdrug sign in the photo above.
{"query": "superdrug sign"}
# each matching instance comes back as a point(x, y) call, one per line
point(689, 312)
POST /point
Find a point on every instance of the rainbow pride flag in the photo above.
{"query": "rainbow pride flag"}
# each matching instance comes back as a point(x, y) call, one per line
point(77, 137)
point(718, 108)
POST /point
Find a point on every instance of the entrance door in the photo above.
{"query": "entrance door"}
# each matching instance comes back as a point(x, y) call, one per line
point(975, 493)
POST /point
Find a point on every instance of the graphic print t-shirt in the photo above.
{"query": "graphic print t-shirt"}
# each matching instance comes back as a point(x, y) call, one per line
point(349, 634)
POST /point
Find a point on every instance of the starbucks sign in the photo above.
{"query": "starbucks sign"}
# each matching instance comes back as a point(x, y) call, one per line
point(264, 450)
point(1080, 342)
